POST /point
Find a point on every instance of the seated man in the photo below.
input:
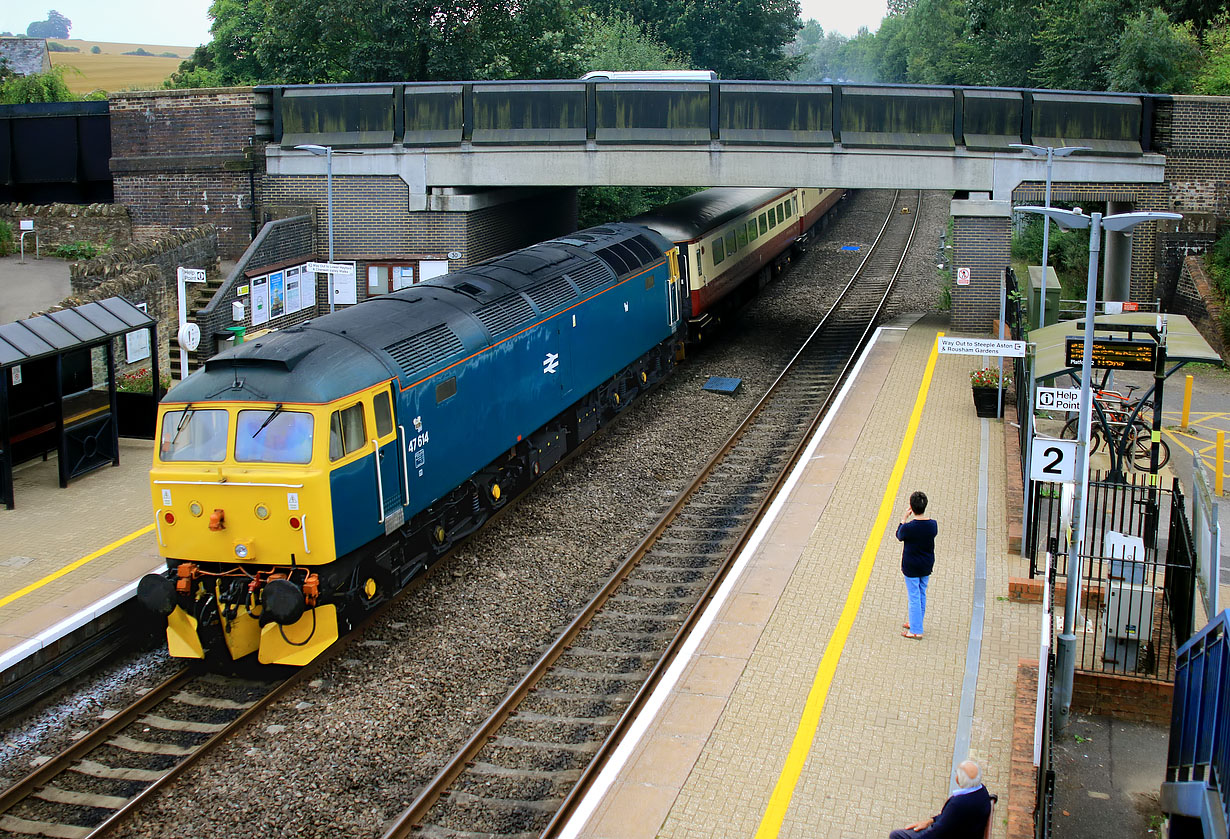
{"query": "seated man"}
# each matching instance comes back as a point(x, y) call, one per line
point(964, 815)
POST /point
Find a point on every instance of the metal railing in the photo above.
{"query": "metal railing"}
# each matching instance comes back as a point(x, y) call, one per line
point(1134, 609)
point(1199, 754)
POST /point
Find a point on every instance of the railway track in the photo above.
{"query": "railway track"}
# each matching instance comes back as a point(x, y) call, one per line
point(522, 772)
point(91, 786)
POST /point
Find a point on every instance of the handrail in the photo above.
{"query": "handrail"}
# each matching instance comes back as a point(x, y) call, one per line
point(1200, 716)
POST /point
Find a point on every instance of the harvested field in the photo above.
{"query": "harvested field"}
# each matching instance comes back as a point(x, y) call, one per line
point(111, 70)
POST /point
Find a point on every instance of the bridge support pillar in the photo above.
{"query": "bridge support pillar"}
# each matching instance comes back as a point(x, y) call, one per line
point(1117, 258)
point(981, 243)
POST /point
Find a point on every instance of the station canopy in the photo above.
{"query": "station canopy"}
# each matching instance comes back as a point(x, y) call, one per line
point(1183, 341)
point(59, 332)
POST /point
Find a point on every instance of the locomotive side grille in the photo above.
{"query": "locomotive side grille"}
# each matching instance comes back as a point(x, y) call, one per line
point(505, 313)
point(552, 294)
point(591, 276)
point(425, 349)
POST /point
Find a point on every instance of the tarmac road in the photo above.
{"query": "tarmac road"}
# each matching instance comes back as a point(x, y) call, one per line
point(31, 287)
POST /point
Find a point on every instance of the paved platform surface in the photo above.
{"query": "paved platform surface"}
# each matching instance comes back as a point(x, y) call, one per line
point(51, 529)
point(881, 752)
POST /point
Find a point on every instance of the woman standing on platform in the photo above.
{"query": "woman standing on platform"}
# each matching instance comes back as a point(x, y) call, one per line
point(917, 534)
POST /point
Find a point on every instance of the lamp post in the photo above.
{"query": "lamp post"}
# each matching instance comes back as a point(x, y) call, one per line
point(327, 151)
point(1050, 152)
point(1065, 650)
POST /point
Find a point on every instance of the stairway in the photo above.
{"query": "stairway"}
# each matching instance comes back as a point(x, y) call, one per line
point(199, 295)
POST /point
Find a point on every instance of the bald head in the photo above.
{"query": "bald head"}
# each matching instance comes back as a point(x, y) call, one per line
point(968, 774)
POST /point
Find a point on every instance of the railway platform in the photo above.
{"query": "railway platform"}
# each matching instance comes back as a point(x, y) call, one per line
point(801, 711)
point(71, 555)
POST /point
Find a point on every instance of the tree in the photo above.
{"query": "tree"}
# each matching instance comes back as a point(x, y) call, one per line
point(1078, 41)
point(1155, 56)
point(740, 39)
point(619, 43)
point(55, 26)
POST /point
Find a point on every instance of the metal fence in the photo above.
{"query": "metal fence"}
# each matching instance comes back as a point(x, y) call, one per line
point(1135, 607)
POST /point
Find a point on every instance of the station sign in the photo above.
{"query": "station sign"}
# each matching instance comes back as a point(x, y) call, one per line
point(1113, 354)
point(191, 275)
point(1052, 460)
point(1057, 399)
point(330, 268)
point(981, 346)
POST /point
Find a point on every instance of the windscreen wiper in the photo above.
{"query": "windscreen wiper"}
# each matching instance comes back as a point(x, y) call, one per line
point(277, 409)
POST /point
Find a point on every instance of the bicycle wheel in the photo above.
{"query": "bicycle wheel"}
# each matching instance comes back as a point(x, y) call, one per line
point(1141, 447)
point(1068, 432)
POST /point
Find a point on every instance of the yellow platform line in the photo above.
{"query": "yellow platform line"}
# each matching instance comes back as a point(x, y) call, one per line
point(73, 566)
point(805, 734)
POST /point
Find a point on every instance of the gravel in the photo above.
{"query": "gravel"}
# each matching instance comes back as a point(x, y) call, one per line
point(348, 751)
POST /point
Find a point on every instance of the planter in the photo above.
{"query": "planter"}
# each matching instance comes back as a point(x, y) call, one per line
point(986, 401)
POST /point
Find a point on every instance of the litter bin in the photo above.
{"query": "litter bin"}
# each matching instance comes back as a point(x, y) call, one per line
point(237, 333)
point(1052, 295)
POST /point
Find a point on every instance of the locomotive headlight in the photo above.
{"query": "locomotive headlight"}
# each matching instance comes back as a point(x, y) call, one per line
point(262, 512)
point(242, 550)
point(196, 509)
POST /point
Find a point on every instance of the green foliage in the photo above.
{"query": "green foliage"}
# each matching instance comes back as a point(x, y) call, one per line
point(53, 46)
point(6, 238)
point(1155, 56)
point(74, 251)
point(599, 204)
point(95, 50)
point(141, 51)
point(36, 87)
point(1069, 253)
point(945, 304)
point(1214, 77)
point(1218, 262)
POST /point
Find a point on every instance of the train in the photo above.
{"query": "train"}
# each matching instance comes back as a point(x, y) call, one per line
point(302, 479)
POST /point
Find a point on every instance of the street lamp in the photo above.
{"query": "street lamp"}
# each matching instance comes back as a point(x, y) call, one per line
point(1050, 152)
point(1065, 651)
point(327, 151)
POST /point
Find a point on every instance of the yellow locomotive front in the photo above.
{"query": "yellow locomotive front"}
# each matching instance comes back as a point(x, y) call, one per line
point(242, 517)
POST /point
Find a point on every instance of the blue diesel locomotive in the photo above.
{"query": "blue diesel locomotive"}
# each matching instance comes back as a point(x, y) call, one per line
point(303, 478)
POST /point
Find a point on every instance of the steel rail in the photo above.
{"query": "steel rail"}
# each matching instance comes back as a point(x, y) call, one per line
point(410, 818)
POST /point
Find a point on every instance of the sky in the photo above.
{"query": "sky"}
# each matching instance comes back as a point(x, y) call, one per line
point(185, 23)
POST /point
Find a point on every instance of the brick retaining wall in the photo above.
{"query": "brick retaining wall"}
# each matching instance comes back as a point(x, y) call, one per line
point(1194, 298)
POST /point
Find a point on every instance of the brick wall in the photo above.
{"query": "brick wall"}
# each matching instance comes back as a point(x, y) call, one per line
point(982, 244)
point(182, 158)
point(62, 224)
point(1122, 697)
point(1197, 149)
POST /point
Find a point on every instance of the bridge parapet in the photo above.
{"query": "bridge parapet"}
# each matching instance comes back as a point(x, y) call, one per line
point(735, 113)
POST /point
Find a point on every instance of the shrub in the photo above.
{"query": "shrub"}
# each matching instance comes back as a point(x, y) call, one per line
point(6, 238)
point(52, 46)
point(74, 251)
point(95, 50)
point(140, 381)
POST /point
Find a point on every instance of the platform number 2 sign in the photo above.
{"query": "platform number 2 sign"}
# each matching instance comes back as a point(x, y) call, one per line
point(1052, 460)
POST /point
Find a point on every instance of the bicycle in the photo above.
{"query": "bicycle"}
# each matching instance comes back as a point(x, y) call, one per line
point(1139, 443)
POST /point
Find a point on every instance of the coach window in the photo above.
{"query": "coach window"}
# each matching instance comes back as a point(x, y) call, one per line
point(731, 244)
point(751, 230)
point(719, 251)
point(764, 224)
point(781, 213)
point(347, 431)
point(741, 237)
point(384, 414)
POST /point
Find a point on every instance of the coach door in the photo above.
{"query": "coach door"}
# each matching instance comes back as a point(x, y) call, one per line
point(673, 286)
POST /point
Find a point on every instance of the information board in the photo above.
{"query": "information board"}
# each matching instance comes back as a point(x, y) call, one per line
point(1112, 354)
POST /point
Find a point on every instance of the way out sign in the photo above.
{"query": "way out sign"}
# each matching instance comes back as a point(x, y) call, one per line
point(1052, 460)
point(981, 346)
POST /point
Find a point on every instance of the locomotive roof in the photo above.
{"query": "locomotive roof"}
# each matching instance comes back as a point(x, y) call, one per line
point(692, 217)
point(413, 332)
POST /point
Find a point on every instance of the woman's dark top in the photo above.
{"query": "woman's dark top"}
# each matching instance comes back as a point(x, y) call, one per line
point(918, 548)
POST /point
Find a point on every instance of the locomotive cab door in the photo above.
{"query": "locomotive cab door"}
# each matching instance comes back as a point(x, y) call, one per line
point(392, 479)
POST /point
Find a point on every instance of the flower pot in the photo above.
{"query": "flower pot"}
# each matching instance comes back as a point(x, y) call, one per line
point(986, 401)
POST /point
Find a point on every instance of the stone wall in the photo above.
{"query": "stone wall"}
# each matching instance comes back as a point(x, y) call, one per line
point(182, 158)
point(146, 273)
point(1195, 298)
point(63, 224)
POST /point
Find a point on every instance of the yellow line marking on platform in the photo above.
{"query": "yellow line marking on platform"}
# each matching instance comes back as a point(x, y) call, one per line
point(73, 566)
point(779, 802)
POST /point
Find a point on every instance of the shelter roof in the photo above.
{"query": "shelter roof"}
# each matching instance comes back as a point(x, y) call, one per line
point(1183, 341)
point(66, 329)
